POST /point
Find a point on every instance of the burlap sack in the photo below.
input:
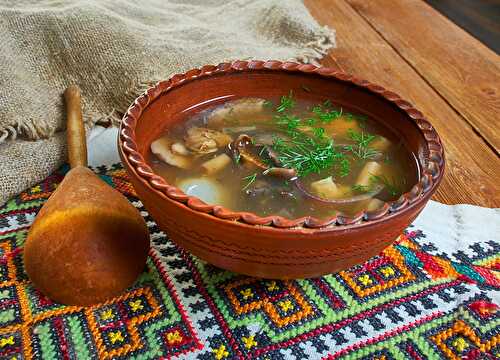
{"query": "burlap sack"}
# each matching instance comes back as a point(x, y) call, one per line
point(111, 49)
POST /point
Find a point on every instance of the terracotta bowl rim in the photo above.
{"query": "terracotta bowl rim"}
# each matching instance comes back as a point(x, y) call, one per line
point(431, 168)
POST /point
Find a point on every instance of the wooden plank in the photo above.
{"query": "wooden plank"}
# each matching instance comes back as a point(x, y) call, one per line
point(478, 18)
point(464, 71)
point(472, 171)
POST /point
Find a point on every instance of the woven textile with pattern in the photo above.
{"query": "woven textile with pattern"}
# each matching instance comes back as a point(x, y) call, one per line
point(407, 303)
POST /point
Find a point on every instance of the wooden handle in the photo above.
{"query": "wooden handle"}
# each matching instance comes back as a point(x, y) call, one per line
point(75, 132)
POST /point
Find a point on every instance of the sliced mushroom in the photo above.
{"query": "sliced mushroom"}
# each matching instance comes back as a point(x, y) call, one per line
point(284, 173)
point(240, 148)
point(162, 148)
point(240, 112)
point(204, 141)
point(180, 149)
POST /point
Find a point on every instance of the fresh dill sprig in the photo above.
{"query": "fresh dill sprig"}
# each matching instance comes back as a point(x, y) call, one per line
point(325, 114)
point(345, 167)
point(250, 180)
point(361, 148)
point(319, 132)
point(307, 155)
point(311, 121)
point(289, 122)
point(286, 103)
point(302, 152)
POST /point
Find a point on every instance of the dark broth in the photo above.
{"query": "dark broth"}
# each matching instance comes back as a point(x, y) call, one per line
point(342, 162)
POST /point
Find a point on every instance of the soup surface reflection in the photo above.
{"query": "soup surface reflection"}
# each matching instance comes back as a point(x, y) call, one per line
point(285, 157)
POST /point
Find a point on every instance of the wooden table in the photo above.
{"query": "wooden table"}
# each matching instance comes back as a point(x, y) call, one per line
point(408, 47)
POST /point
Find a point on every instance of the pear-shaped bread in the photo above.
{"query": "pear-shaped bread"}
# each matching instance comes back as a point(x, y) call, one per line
point(87, 244)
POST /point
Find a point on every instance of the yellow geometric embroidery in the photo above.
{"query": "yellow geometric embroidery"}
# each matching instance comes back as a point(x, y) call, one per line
point(107, 315)
point(249, 341)
point(136, 305)
point(174, 337)
point(388, 271)
point(220, 353)
point(116, 336)
point(271, 286)
point(365, 279)
point(246, 293)
point(460, 344)
point(286, 305)
point(7, 341)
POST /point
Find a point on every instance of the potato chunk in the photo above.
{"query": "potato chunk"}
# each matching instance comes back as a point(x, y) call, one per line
point(205, 189)
point(216, 164)
point(371, 168)
point(327, 189)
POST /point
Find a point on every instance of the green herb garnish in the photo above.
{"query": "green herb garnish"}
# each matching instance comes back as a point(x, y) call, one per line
point(305, 88)
point(311, 122)
point(319, 132)
point(304, 153)
point(250, 180)
point(307, 155)
point(287, 102)
point(345, 167)
point(361, 149)
point(324, 114)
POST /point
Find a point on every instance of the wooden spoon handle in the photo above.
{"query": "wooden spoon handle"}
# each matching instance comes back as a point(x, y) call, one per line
point(75, 131)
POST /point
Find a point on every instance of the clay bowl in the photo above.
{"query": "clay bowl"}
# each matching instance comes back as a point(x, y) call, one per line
point(273, 246)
